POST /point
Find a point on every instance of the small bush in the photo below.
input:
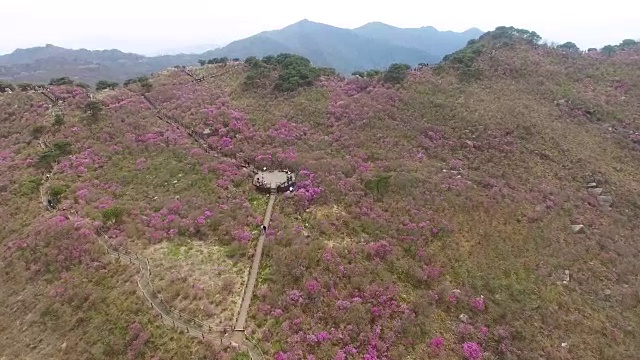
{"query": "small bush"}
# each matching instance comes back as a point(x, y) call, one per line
point(106, 85)
point(37, 131)
point(56, 192)
point(295, 72)
point(113, 215)
point(369, 74)
point(58, 119)
point(29, 186)
point(241, 356)
point(251, 60)
point(378, 185)
point(58, 150)
point(142, 80)
point(93, 109)
point(65, 80)
point(256, 75)
point(396, 73)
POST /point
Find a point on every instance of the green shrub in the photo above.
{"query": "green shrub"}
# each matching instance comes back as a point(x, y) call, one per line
point(61, 81)
point(63, 147)
point(113, 215)
point(29, 186)
point(241, 356)
point(58, 119)
point(258, 72)
point(105, 85)
point(142, 80)
point(56, 192)
point(295, 72)
point(378, 185)
point(144, 83)
point(396, 73)
point(369, 74)
point(251, 60)
point(58, 150)
point(93, 109)
point(37, 131)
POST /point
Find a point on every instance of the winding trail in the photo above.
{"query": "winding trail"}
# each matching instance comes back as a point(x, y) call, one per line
point(173, 122)
point(168, 315)
point(193, 134)
point(172, 317)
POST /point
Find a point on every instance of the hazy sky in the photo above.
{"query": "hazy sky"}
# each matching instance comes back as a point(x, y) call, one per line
point(145, 26)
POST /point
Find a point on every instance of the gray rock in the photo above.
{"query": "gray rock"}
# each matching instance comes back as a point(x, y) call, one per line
point(605, 201)
point(464, 318)
point(595, 191)
point(592, 185)
point(606, 292)
point(577, 229)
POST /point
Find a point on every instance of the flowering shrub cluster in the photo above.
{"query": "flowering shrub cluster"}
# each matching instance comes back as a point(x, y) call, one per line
point(72, 95)
point(79, 164)
point(306, 191)
point(137, 339)
point(54, 244)
point(287, 131)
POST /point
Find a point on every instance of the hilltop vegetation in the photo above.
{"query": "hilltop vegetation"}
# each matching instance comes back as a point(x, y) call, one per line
point(431, 217)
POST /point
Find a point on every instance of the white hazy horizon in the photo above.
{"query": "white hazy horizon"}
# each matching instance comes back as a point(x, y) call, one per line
point(151, 27)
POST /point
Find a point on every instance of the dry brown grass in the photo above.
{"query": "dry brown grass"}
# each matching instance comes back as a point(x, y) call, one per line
point(198, 279)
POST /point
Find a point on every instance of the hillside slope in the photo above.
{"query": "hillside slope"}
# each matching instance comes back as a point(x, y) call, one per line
point(430, 219)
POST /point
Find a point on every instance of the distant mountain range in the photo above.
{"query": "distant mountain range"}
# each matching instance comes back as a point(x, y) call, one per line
point(371, 46)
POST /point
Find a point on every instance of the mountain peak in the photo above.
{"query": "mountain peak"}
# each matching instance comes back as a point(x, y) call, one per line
point(376, 26)
point(473, 30)
point(304, 22)
point(376, 23)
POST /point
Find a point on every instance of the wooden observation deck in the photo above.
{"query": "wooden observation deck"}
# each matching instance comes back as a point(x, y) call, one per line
point(274, 181)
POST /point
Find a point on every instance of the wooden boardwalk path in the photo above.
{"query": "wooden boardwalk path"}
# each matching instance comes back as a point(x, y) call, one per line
point(253, 275)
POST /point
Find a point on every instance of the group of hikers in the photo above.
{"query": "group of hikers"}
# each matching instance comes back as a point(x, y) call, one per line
point(262, 183)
